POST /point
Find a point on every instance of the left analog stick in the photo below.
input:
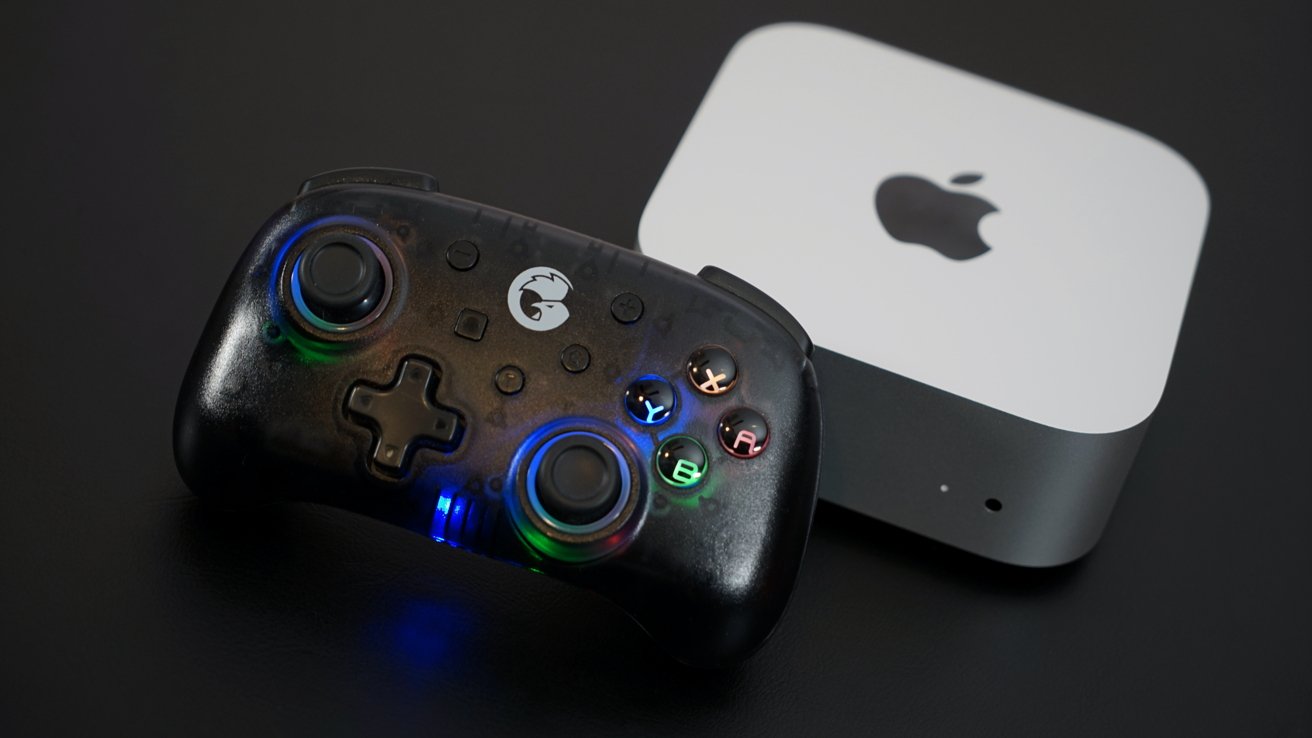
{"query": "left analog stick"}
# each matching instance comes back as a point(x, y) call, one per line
point(340, 279)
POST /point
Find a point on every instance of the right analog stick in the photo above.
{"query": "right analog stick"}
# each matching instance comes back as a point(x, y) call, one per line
point(579, 482)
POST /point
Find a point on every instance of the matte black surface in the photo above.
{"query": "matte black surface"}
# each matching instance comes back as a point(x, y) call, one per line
point(147, 142)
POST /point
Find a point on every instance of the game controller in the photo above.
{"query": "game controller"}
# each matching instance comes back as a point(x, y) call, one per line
point(519, 391)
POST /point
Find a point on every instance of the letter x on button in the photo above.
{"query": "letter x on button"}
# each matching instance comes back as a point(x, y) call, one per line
point(712, 370)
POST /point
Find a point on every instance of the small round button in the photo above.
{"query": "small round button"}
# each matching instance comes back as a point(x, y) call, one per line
point(509, 380)
point(626, 307)
point(578, 482)
point(339, 280)
point(462, 255)
point(681, 461)
point(743, 433)
point(649, 399)
point(575, 358)
point(712, 370)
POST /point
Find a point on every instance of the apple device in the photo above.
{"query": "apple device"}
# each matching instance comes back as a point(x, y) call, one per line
point(997, 280)
point(520, 391)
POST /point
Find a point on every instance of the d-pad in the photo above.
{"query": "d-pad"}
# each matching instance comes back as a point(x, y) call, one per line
point(404, 416)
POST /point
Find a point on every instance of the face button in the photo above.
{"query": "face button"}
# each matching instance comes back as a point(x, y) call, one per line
point(575, 358)
point(626, 308)
point(403, 416)
point(681, 461)
point(340, 281)
point(578, 482)
point(509, 380)
point(471, 324)
point(743, 433)
point(712, 370)
point(462, 255)
point(650, 399)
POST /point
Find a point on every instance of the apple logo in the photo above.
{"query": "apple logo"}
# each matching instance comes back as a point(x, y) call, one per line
point(915, 210)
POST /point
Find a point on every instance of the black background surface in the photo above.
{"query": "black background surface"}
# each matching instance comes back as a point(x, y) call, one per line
point(144, 145)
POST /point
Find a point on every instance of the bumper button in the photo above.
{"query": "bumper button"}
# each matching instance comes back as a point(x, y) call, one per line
point(373, 176)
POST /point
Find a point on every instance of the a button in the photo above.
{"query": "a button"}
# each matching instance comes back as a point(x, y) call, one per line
point(761, 301)
point(712, 370)
point(509, 380)
point(743, 433)
point(626, 307)
point(649, 399)
point(371, 175)
point(471, 324)
point(404, 416)
point(575, 358)
point(462, 255)
point(339, 280)
point(681, 462)
point(578, 482)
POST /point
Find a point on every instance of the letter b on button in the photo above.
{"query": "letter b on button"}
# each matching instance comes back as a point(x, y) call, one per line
point(681, 461)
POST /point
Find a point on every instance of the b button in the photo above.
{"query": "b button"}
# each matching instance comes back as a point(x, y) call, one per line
point(712, 370)
point(681, 461)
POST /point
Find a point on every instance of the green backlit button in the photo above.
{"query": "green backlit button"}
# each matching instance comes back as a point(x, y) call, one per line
point(681, 461)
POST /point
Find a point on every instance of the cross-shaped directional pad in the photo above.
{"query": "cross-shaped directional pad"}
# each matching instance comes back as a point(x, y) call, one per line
point(404, 416)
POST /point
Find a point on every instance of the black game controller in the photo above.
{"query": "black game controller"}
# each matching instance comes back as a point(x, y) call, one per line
point(520, 391)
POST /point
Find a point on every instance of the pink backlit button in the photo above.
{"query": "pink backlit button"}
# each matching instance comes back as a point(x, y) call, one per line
point(743, 433)
point(712, 370)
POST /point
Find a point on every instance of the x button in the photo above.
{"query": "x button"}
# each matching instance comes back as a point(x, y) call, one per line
point(712, 370)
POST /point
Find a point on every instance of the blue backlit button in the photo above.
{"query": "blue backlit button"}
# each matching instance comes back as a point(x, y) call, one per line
point(650, 399)
point(681, 461)
point(712, 370)
point(743, 433)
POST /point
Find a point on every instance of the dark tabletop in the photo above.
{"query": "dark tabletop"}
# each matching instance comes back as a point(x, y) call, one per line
point(143, 146)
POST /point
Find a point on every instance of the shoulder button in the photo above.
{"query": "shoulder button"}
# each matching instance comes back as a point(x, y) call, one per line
point(371, 175)
point(761, 301)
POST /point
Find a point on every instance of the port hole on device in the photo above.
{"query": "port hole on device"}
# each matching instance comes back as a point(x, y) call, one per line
point(993, 505)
